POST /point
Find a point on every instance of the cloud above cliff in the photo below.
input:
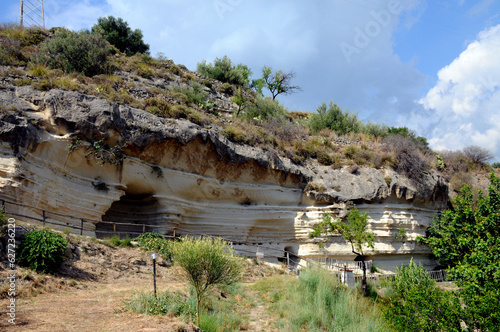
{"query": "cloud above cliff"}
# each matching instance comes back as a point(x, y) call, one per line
point(465, 102)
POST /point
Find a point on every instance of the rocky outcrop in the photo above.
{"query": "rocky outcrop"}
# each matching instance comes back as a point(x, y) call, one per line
point(79, 155)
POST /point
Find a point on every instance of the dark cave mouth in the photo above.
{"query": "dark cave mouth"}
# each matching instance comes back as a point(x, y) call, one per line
point(131, 215)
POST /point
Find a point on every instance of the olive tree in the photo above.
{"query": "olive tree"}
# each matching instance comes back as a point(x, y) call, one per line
point(278, 82)
point(206, 262)
point(354, 231)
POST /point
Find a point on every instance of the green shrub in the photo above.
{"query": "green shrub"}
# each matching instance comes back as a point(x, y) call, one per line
point(155, 242)
point(264, 109)
point(341, 122)
point(223, 70)
point(226, 88)
point(78, 52)
point(43, 251)
point(318, 302)
point(117, 32)
point(417, 305)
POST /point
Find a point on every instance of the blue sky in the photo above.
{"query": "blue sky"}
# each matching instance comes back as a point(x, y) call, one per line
point(433, 66)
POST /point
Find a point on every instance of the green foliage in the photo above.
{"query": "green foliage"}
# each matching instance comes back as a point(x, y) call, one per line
point(223, 70)
point(264, 109)
point(43, 251)
point(207, 262)
point(104, 154)
point(417, 305)
point(467, 240)
point(116, 241)
point(221, 316)
point(496, 165)
point(318, 302)
point(277, 83)
point(354, 230)
point(164, 303)
point(117, 32)
point(401, 234)
point(334, 119)
point(420, 142)
point(78, 52)
point(155, 242)
point(3, 218)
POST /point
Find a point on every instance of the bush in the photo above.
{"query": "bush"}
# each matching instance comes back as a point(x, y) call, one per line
point(119, 34)
point(43, 251)
point(155, 242)
point(78, 52)
point(207, 262)
point(264, 109)
point(223, 70)
point(334, 119)
point(477, 155)
point(318, 302)
point(417, 305)
point(409, 160)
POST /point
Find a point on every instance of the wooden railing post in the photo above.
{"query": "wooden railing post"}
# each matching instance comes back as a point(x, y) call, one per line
point(81, 228)
point(43, 216)
point(114, 229)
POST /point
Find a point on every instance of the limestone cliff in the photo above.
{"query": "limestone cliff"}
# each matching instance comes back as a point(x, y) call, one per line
point(77, 154)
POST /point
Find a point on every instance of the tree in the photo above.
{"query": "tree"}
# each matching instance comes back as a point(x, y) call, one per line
point(206, 262)
point(354, 231)
point(416, 304)
point(78, 52)
point(223, 70)
point(466, 239)
point(477, 154)
point(118, 33)
point(279, 82)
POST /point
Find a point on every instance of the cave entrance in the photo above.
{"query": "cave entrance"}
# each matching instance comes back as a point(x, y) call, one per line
point(289, 257)
point(140, 213)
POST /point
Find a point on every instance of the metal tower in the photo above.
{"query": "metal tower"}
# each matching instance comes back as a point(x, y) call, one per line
point(32, 13)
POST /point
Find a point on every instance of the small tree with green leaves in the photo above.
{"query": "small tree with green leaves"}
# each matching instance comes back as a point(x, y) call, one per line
point(354, 231)
point(117, 32)
point(206, 262)
point(278, 82)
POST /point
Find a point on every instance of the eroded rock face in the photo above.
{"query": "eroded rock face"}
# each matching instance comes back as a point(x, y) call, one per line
point(177, 176)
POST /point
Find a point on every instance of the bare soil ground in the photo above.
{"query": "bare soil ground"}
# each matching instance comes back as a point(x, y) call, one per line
point(89, 294)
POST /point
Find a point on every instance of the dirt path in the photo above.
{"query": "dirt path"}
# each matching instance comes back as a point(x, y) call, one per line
point(259, 319)
point(96, 308)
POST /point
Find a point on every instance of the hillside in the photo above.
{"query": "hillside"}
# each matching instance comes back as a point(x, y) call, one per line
point(149, 145)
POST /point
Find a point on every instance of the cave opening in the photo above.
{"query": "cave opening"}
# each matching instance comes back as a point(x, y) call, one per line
point(140, 213)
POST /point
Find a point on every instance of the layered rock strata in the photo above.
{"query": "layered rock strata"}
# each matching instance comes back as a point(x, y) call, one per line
point(62, 152)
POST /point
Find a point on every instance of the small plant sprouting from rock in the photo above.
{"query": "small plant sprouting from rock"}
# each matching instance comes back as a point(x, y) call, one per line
point(101, 152)
point(157, 170)
point(401, 235)
point(388, 181)
point(100, 186)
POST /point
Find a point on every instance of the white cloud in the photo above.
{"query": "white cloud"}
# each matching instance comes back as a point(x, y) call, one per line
point(468, 91)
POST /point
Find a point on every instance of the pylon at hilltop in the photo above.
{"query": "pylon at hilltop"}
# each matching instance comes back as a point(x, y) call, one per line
point(32, 13)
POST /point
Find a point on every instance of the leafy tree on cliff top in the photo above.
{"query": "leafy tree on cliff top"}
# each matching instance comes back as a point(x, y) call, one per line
point(117, 32)
point(467, 240)
point(354, 231)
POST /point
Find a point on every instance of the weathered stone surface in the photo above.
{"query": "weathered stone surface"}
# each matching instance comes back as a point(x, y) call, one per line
point(178, 176)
